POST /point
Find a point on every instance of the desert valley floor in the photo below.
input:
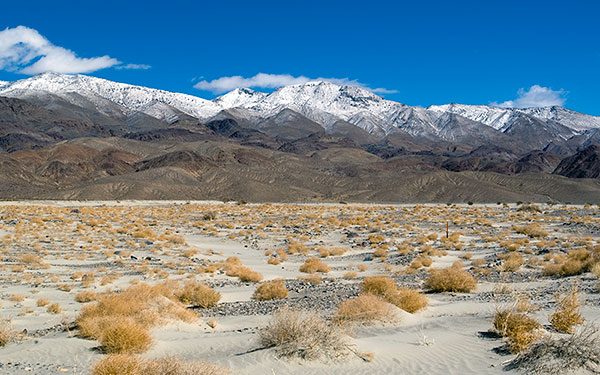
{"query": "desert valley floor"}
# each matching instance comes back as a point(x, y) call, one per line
point(189, 273)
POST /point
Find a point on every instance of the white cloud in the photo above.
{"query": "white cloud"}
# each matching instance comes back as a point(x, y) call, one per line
point(26, 51)
point(272, 81)
point(536, 96)
point(134, 67)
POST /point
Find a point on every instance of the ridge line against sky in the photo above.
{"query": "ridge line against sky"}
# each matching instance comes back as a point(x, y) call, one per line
point(417, 61)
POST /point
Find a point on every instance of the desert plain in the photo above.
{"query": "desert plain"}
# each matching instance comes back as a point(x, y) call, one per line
point(383, 289)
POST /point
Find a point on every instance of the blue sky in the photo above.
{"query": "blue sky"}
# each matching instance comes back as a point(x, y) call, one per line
point(419, 53)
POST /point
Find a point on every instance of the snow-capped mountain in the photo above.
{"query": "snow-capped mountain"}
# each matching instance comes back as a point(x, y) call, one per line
point(239, 98)
point(498, 117)
point(321, 102)
point(131, 98)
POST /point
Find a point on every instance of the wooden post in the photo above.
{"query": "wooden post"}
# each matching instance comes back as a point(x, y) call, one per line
point(446, 229)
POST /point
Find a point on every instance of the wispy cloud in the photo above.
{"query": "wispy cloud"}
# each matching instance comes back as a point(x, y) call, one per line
point(134, 67)
point(272, 81)
point(26, 51)
point(535, 96)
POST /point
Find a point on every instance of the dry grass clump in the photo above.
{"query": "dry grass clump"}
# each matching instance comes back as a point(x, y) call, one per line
point(364, 309)
point(125, 336)
point(303, 334)
point(126, 364)
point(270, 290)
point(520, 329)
point(312, 265)
point(512, 263)
point(54, 308)
point(567, 314)
point(561, 355)
point(17, 298)
point(577, 261)
point(234, 268)
point(85, 296)
point(378, 285)
point(197, 294)
point(408, 300)
point(7, 333)
point(145, 305)
point(451, 279)
point(531, 230)
point(42, 302)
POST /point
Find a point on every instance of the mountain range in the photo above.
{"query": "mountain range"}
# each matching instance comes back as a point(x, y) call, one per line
point(67, 136)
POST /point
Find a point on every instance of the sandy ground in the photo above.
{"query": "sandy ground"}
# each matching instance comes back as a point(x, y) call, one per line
point(444, 338)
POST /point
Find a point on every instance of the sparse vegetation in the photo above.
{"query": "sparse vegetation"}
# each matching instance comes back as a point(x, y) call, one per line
point(312, 265)
point(566, 354)
point(125, 364)
point(125, 336)
point(451, 279)
point(520, 329)
point(303, 334)
point(567, 314)
point(270, 290)
point(197, 294)
point(364, 309)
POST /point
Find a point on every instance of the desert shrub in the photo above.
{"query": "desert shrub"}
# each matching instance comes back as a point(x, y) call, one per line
point(42, 302)
point(531, 230)
point(512, 263)
point(126, 364)
point(246, 274)
point(303, 334)
point(85, 296)
point(350, 275)
point(197, 294)
point(408, 300)
point(146, 305)
point(7, 333)
point(572, 267)
point(17, 298)
point(312, 265)
point(404, 298)
point(378, 285)
point(567, 315)
point(176, 366)
point(552, 269)
point(274, 261)
point(364, 309)
point(380, 253)
point(566, 354)
point(54, 308)
point(520, 329)
point(270, 290)
point(125, 336)
point(451, 279)
point(243, 273)
point(117, 364)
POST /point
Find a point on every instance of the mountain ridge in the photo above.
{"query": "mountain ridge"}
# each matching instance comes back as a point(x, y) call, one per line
point(322, 102)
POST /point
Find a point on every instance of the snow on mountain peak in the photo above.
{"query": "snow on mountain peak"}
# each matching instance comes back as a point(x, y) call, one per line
point(320, 101)
point(132, 98)
point(239, 98)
